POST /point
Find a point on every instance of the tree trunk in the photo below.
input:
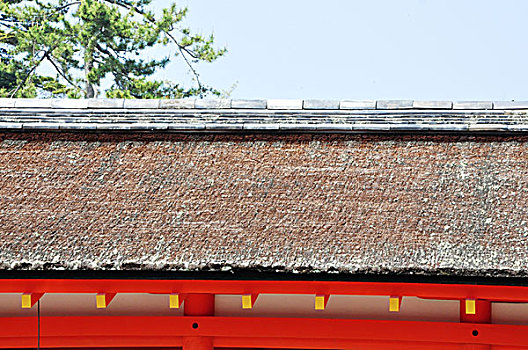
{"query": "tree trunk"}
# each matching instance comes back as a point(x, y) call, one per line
point(90, 91)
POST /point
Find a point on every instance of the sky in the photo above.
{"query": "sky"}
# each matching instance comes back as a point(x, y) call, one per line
point(371, 49)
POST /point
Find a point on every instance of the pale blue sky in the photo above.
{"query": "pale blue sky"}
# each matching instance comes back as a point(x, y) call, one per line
point(375, 49)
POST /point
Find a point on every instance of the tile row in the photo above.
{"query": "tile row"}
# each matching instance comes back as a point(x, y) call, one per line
point(256, 127)
point(272, 104)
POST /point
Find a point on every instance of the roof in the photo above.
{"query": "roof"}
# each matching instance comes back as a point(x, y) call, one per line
point(222, 115)
point(333, 202)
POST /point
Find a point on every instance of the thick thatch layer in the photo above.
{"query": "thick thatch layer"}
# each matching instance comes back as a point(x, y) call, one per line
point(348, 203)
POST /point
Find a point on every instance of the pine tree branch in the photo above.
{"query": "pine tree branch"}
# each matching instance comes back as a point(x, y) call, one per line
point(30, 73)
point(181, 48)
point(195, 73)
point(62, 73)
point(67, 5)
point(108, 53)
point(6, 36)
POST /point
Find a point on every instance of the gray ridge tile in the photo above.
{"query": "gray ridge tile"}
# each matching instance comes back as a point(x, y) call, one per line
point(334, 127)
point(150, 126)
point(39, 126)
point(394, 104)
point(186, 126)
point(212, 103)
point(448, 127)
point(472, 105)
point(371, 127)
point(106, 102)
point(7, 102)
point(223, 126)
point(510, 105)
point(7, 125)
point(142, 103)
point(285, 104)
point(115, 126)
point(78, 126)
point(321, 104)
point(413, 126)
point(252, 104)
point(432, 104)
point(69, 103)
point(184, 103)
point(487, 127)
point(296, 126)
point(359, 104)
point(522, 127)
point(32, 103)
point(317, 127)
point(70, 115)
point(261, 126)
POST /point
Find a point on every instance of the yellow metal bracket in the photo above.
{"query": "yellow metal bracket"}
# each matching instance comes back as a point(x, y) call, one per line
point(30, 299)
point(394, 303)
point(320, 301)
point(471, 307)
point(248, 300)
point(176, 300)
point(104, 299)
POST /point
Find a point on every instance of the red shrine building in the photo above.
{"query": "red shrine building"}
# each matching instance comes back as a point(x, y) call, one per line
point(263, 224)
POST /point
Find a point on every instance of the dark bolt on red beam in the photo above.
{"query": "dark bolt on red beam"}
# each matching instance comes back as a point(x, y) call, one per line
point(482, 315)
point(198, 305)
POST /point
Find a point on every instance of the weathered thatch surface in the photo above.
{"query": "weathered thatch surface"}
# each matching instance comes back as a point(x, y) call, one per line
point(348, 203)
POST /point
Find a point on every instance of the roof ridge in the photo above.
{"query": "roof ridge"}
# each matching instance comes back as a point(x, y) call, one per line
point(269, 104)
point(269, 116)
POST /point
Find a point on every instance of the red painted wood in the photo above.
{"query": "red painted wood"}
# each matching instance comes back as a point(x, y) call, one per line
point(197, 343)
point(122, 331)
point(278, 343)
point(113, 331)
point(482, 315)
point(424, 290)
point(482, 312)
point(198, 305)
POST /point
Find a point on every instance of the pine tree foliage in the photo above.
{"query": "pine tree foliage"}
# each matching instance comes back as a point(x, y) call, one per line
point(91, 41)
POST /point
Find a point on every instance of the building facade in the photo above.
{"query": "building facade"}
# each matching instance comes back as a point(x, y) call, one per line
point(263, 224)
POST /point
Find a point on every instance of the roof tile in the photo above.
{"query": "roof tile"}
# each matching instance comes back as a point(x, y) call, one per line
point(212, 103)
point(69, 103)
point(359, 104)
point(321, 104)
point(32, 103)
point(432, 104)
point(106, 103)
point(251, 104)
point(187, 103)
point(142, 103)
point(285, 104)
point(473, 105)
point(394, 104)
point(510, 105)
point(7, 102)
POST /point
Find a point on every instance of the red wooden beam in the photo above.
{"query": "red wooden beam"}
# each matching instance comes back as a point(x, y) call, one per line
point(261, 343)
point(123, 331)
point(198, 305)
point(424, 290)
